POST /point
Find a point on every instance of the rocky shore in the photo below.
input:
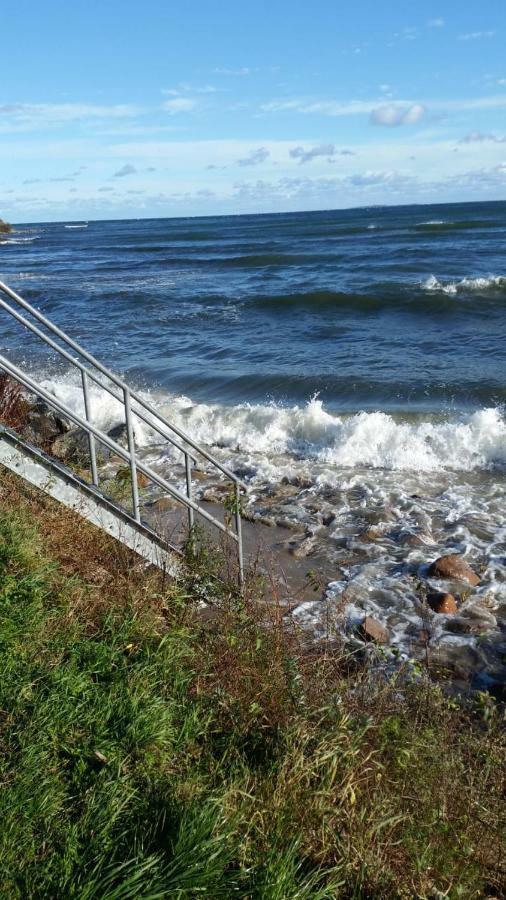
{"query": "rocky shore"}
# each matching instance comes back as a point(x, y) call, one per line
point(372, 576)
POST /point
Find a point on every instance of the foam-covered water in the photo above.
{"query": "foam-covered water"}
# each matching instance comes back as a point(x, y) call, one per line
point(351, 366)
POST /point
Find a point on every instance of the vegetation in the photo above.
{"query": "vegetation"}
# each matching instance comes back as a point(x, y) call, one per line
point(148, 750)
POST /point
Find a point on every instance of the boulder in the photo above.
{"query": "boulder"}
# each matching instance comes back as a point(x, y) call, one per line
point(304, 548)
point(74, 447)
point(454, 567)
point(5, 228)
point(123, 475)
point(370, 534)
point(119, 434)
point(44, 425)
point(371, 630)
point(441, 602)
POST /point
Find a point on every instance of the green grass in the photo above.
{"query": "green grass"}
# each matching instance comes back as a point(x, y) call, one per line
point(145, 753)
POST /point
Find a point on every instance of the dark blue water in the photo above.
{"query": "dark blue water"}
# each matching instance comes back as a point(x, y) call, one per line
point(380, 308)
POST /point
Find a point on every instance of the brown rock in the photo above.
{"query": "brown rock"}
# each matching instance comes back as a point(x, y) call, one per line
point(124, 475)
point(453, 566)
point(370, 534)
point(372, 630)
point(299, 551)
point(443, 603)
point(200, 475)
point(164, 504)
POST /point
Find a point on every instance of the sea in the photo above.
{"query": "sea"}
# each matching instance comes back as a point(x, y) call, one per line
point(349, 364)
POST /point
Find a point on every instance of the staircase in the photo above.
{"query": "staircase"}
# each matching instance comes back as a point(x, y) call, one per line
point(84, 493)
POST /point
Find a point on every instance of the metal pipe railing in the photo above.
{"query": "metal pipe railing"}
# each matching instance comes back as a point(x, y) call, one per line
point(151, 417)
point(118, 381)
point(31, 385)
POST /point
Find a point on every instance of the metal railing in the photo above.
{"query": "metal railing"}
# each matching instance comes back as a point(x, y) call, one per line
point(91, 370)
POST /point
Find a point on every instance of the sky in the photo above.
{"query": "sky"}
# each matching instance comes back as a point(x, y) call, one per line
point(160, 108)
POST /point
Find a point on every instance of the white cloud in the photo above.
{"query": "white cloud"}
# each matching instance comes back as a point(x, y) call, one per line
point(179, 105)
point(30, 116)
point(243, 70)
point(127, 169)
point(477, 137)
point(327, 150)
point(326, 107)
point(476, 35)
point(186, 88)
point(392, 114)
point(305, 156)
point(412, 108)
point(436, 23)
point(255, 157)
point(364, 179)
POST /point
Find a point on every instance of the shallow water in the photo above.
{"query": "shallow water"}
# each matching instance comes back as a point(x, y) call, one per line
point(359, 355)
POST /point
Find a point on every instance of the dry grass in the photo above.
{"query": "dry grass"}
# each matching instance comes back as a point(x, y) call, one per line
point(238, 763)
point(14, 406)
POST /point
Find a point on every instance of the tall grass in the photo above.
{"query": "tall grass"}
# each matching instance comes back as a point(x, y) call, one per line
point(146, 751)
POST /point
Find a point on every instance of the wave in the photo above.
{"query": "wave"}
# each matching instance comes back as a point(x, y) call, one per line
point(76, 226)
point(20, 240)
point(417, 298)
point(441, 225)
point(376, 440)
point(496, 283)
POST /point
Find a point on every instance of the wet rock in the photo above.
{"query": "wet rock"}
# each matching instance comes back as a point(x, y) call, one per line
point(245, 471)
point(44, 425)
point(119, 434)
point(123, 475)
point(460, 658)
point(414, 539)
point(304, 548)
point(200, 475)
point(298, 481)
point(216, 493)
point(328, 519)
point(370, 534)
point(463, 625)
point(441, 602)
point(372, 630)
point(265, 520)
point(455, 567)
point(290, 524)
point(163, 504)
point(74, 447)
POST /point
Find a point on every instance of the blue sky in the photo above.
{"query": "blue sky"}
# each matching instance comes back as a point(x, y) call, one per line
point(114, 110)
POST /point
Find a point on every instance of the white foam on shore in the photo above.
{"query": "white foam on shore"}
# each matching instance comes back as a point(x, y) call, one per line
point(376, 440)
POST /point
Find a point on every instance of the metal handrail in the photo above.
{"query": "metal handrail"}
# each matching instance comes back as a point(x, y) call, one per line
point(142, 410)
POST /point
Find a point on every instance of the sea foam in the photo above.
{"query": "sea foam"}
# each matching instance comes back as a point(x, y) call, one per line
point(483, 283)
point(462, 442)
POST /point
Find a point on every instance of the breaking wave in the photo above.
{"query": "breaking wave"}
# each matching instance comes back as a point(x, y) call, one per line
point(377, 440)
point(469, 285)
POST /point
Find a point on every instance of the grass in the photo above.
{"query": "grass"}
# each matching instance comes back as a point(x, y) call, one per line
point(149, 751)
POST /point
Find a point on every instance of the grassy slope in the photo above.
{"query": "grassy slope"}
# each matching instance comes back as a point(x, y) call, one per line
point(145, 753)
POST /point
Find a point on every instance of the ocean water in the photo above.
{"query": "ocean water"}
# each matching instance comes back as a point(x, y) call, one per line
point(358, 354)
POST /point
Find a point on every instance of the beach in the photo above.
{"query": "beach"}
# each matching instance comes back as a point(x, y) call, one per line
point(349, 366)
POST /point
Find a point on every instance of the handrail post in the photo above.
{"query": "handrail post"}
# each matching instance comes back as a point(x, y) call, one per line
point(188, 468)
point(91, 438)
point(131, 450)
point(238, 528)
point(95, 372)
